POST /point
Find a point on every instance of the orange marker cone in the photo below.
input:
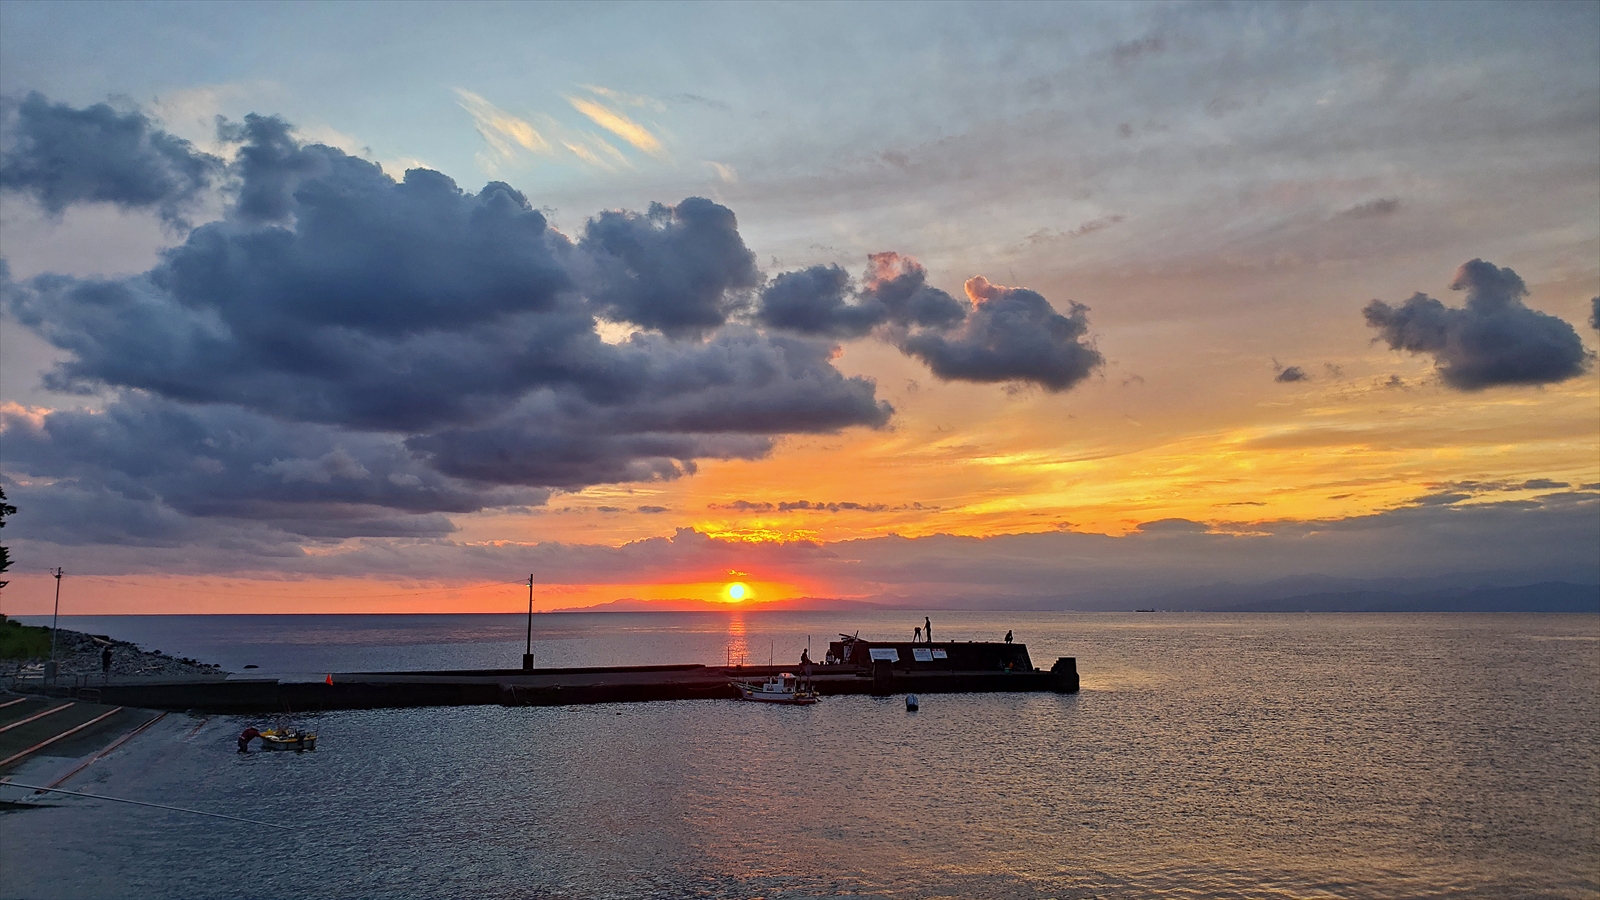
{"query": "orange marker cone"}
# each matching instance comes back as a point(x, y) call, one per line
point(330, 678)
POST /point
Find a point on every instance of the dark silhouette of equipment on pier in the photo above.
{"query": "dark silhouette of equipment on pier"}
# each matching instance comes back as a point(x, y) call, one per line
point(852, 666)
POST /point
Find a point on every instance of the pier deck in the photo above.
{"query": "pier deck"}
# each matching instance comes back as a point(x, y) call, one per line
point(555, 687)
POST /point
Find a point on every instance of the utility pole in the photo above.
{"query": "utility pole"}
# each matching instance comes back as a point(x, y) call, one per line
point(56, 615)
point(527, 655)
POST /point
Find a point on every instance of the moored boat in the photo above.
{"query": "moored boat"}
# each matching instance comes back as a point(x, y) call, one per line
point(783, 688)
point(288, 739)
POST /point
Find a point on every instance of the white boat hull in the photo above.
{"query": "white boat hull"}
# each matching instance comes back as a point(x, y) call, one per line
point(764, 693)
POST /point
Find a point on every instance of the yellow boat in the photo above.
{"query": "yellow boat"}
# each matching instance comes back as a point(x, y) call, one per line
point(288, 739)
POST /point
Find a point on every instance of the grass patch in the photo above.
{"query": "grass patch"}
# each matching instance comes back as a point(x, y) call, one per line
point(18, 641)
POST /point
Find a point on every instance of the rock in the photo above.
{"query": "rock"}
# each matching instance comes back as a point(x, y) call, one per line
point(79, 654)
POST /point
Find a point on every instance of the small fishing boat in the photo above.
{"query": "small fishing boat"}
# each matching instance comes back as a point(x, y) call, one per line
point(784, 688)
point(288, 739)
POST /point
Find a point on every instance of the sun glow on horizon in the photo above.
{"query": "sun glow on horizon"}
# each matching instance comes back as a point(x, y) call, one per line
point(738, 592)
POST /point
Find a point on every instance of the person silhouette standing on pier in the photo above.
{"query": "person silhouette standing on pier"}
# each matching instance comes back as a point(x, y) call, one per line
point(916, 635)
point(927, 628)
point(1008, 637)
point(105, 662)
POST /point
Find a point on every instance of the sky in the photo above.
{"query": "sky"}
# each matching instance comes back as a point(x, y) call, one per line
point(383, 307)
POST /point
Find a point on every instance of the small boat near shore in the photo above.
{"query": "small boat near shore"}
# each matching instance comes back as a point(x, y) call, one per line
point(783, 688)
point(288, 739)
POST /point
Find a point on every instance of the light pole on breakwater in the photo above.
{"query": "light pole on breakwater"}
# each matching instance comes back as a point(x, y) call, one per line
point(50, 670)
point(527, 654)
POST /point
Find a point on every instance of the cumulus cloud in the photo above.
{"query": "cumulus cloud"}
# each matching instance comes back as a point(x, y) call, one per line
point(1493, 340)
point(1012, 334)
point(900, 284)
point(817, 301)
point(993, 334)
point(681, 268)
point(1291, 374)
point(375, 353)
point(167, 462)
point(60, 155)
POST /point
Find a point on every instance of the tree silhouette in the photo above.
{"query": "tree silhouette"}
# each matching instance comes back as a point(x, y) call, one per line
point(6, 509)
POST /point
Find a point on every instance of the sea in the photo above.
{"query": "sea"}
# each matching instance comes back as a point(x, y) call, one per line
point(1268, 755)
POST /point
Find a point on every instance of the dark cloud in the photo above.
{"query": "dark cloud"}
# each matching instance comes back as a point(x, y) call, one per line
point(1012, 334)
point(1172, 527)
point(271, 165)
point(844, 506)
point(1094, 225)
point(164, 461)
point(388, 306)
point(1594, 313)
point(370, 354)
point(994, 334)
point(816, 301)
point(743, 506)
point(1132, 50)
point(1494, 340)
point(651, 510)
point(1373, 209)
point(900, 284)
point(720, 400)
point(1442, 498)
point(60, 156)
point(832, 506)
point(677, 268)
point(895, 291)
point(1479, 487)
point(1290, 374)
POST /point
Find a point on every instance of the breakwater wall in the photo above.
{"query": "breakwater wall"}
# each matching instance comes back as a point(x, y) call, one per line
point(554, 687)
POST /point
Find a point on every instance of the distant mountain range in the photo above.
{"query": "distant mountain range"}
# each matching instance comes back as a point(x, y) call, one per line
point(1303, 594)
point(685, 604)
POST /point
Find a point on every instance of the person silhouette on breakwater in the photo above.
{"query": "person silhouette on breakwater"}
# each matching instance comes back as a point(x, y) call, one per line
point(916, 635)
point(1008, 637)
point(105, 661)
point(927, 628)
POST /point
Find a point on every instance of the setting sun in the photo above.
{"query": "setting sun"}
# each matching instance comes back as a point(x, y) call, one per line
point(737, 591)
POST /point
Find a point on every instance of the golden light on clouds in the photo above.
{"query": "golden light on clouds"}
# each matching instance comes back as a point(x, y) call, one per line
point(500, 129)
point(618, 124)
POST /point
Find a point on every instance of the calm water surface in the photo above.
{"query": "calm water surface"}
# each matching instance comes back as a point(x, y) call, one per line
point(1207, 755)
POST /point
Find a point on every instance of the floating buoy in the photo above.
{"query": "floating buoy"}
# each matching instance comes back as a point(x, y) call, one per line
point(911, 703)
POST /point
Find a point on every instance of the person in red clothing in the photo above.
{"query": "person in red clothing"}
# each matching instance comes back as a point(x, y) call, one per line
point(245, 737)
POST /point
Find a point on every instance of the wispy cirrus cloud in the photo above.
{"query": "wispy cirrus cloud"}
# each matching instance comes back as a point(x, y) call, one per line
point(624, 98)
point(509, 137)
point(502, 131)
point(597, 153)
point(618, 124)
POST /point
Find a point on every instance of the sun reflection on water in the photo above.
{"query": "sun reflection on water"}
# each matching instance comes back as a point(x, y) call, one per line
point(738, 650)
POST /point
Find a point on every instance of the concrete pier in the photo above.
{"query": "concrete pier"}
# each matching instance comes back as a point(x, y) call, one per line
point(1006, 668)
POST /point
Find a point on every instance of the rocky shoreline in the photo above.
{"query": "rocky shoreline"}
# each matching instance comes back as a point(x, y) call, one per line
point(79, 654)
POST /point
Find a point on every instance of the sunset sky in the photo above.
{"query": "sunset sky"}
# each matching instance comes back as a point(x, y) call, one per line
point(383, 307)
